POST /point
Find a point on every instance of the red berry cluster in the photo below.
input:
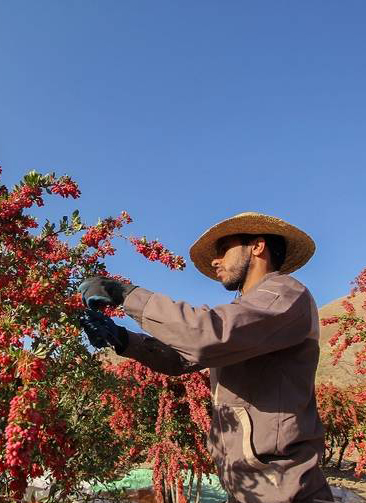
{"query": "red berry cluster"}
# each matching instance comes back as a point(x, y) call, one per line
point(65, 187)
point(154, 250)
point(23, 197)
point(21, 433)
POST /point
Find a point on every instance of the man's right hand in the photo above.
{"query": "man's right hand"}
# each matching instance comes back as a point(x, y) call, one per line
point(102, 332)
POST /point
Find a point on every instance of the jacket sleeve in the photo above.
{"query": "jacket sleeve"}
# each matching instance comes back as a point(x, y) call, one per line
point(262, 321)
point(157, 356)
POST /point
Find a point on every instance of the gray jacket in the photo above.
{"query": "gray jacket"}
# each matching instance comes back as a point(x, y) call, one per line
point(262, 350)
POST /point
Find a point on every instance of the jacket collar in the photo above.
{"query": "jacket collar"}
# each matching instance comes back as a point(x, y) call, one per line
point(254, 287)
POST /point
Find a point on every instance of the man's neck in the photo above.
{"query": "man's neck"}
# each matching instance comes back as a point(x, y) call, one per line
point(255, 277)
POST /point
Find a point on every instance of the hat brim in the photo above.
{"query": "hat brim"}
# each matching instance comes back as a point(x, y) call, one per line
point(299, 246)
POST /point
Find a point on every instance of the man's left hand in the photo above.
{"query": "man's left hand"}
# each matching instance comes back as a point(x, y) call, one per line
point(100, 291)
point(102, 332)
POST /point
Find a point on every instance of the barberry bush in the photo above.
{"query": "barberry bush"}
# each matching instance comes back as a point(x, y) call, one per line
point(343, 414)
point(64, 414)
point(163, 420)
point(343, 411)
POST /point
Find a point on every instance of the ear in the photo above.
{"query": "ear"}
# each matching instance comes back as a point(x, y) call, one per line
point(258, 246)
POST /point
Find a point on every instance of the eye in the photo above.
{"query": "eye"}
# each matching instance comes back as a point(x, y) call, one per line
point(222, 250)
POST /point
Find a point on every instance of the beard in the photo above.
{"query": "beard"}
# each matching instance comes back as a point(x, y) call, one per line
point(238, 276)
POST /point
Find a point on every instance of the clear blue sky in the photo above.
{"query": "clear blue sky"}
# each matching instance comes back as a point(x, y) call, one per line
point(185, 113)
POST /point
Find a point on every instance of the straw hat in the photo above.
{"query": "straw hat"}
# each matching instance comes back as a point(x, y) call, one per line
point(300, 246)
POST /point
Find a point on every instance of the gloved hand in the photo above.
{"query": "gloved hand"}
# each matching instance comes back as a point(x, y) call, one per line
point(102, 332)
point(100, 291)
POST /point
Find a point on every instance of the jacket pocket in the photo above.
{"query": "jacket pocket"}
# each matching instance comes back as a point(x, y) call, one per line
point(234, 453)
point(247, 449)
point(268, 471)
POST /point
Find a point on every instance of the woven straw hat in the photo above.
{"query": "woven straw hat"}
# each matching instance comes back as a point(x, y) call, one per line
point(300, 246)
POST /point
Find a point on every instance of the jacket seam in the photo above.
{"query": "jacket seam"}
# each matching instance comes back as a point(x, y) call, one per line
point(143, 316)
point(280, 411)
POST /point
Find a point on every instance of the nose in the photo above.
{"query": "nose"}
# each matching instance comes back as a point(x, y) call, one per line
point(215, 263)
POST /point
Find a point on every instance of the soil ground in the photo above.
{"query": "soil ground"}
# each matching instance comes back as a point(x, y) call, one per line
point(345, 477)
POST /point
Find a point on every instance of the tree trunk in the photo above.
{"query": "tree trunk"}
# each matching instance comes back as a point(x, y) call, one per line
point(172, 493)
point(198, 487)
point(341, 453)
point(190, 486)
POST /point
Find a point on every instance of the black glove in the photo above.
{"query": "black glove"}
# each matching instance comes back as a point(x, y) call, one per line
point(102, 332)
point(100, 291)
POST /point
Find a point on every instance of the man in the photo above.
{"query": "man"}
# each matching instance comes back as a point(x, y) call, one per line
point(262, 351)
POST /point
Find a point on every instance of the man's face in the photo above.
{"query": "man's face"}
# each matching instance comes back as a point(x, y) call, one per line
point(232, 262)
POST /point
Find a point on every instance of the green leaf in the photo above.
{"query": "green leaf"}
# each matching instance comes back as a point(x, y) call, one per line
point(63, 318)
point(41, 351)
point(15, 352)
point(64, 224)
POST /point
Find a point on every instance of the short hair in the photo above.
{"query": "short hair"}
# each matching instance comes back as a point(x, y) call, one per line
point(277, 247)
point(276, 244)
